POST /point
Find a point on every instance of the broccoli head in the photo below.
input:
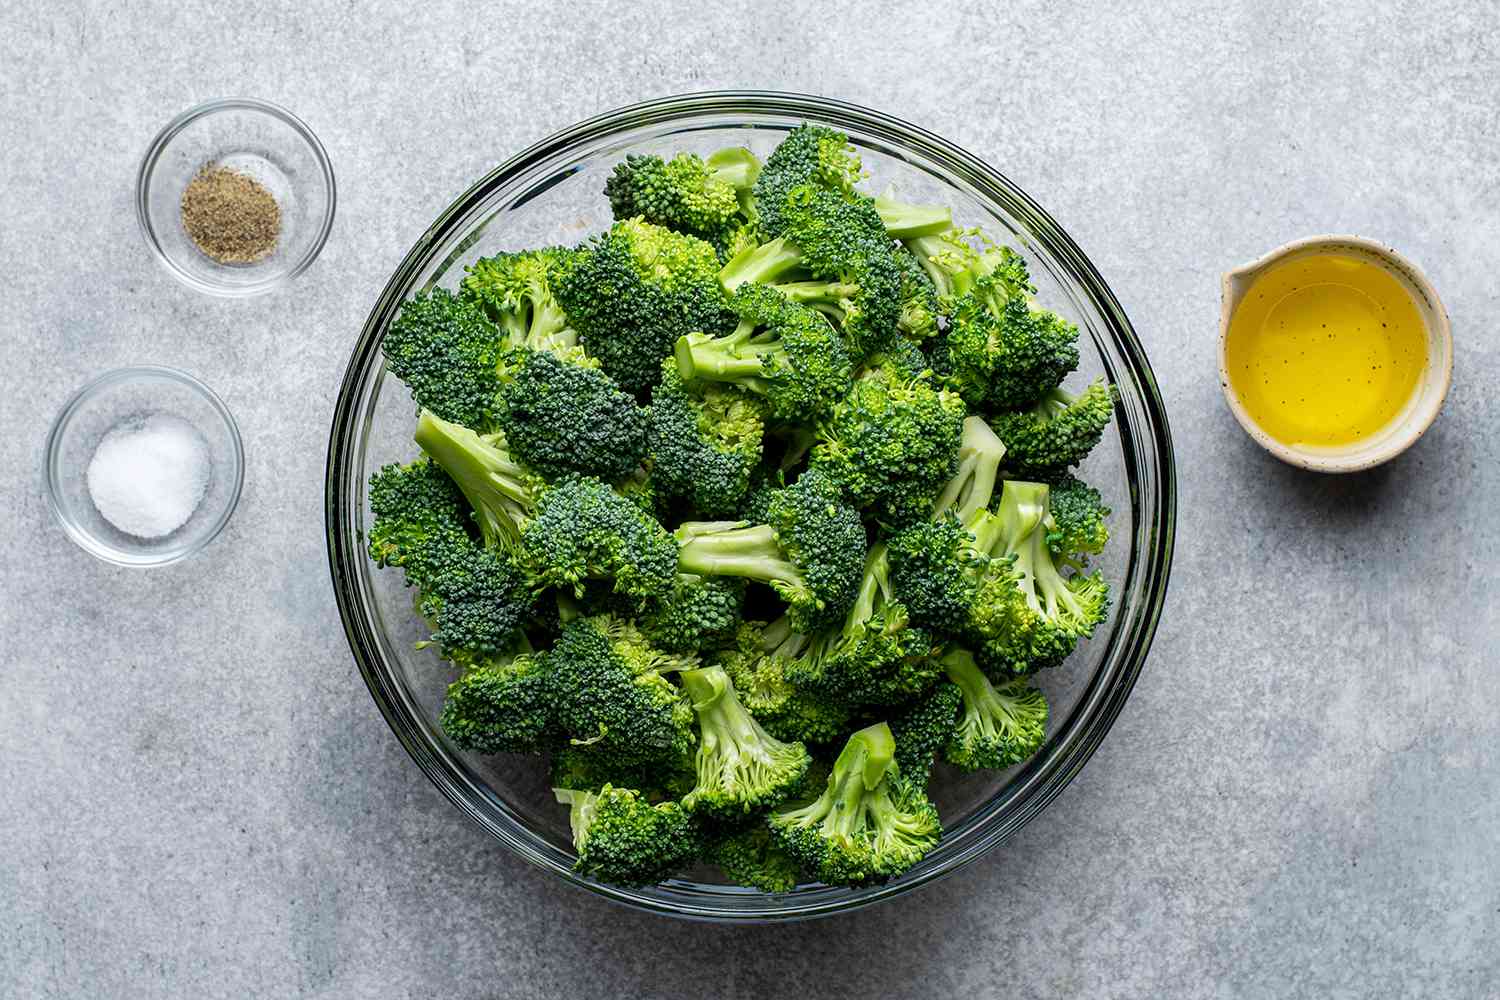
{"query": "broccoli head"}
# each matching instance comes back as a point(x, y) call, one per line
point(623, 838)
point(742, 769)
point(892, 444)
point(810, 550)
point(809, 155)
point(924, 729)
point(1076, 512)
point(998, 726)
point(751, 857)
point(869, 824)
point(705, 443)
point(448, 353)
point(699, 612)
point(503, 705)
point(632, 292)
point(1057, 432)
point(516, 291)
point(710, 199)
point(588, 769)
point(784, 352)
point(757, 666)
point(567, 416)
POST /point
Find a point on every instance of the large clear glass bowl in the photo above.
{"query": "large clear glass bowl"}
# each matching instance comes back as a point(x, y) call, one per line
point(552, 194)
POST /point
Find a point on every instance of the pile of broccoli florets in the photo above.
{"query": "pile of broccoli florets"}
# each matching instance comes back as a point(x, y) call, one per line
point(746, 512)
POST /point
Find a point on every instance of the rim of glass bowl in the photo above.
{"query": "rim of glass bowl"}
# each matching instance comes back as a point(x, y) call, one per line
point(1148, 459)
point(164, 139)
point(80, 535)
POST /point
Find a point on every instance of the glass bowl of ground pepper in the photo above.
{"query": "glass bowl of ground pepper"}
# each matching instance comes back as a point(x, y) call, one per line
point(236, 196)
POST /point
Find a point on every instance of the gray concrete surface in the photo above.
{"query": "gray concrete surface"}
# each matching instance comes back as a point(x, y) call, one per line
point(1302, 799)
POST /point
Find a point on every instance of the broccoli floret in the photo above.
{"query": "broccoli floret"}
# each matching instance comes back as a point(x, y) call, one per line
point(892, 443)
point(563, 533)
point(567, 416)
point(636, 289)
point(704, 444)
point(741, 768)
point(700, 612)
point(475, 598)
point(710, 199)
point(1057, 432)
point(1076, 528)
point(877, 657)
point(810, 550)
point(757, 665)
point(448, 353)
point(997, 726)
point(503, 705)
point(1060, 609)
point(624, 839)
point(782, 351)
point(868, 825)
point(834, 256)
point(924, 729)
point(516, 291)
point(751, 857)
point(809, 155)
point(920, 306)
point(614, 695)
point(589, 769)
point(1004, 352)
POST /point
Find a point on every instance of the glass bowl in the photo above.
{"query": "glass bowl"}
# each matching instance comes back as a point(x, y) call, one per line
point(256, 138)
point(120, 399)
point(552, 194)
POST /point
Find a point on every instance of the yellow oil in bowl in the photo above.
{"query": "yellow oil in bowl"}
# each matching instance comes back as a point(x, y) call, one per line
point(1325, 350)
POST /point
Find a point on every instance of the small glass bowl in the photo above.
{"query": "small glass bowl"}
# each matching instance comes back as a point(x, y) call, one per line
point(132, 394)
point(269, 144)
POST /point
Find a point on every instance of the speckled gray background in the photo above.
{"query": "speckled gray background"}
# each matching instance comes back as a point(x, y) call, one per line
point(198, 798)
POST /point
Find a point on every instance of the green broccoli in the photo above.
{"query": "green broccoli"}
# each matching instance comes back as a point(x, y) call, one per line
point(710, 199)
point(869, 824)
point(751, 857)
point(924, 729)
point(741, 768)
point(997, 726)
point(757, 665)
point(564, 417)
point(705, 444)
point(1057, 432)
point(564, 533)
point(634, 291)
point(1076, 528)
point(448, 353)
point(809, 155)
point(892, 443)
point(699, 612)
point(589, 768)
point(810, 550)
point(516, 291)
point(504, 705)
point(624, 839)
point(780, 350)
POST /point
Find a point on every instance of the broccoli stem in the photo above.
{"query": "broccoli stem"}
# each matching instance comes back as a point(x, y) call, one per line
point(1020, 516)
point(495, 485)
point(735, 358)
point(875, 584)
point(762, 264)
point(751, 552)
point(905, 221)
point(980, 453)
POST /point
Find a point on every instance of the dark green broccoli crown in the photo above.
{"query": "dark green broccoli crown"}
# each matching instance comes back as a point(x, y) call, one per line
point(878, 657)
point(752, 857)
point(623, 838)
point(708, 199)
point(479, 602)
point(742, 769)
point(1057, 432)
point(504, 705)
point(757, 665)
point(868, 825)
point(563, 417)
point(589, 769)
point(634, 291)
point(1056, 610)
point(823, 537)
point(613, 694)
point(447, 353)
point(810, 154)
point(935, 572)
point(1004, 352)
point(699, 612)
point(1077, 511)
point(997, 726)
point(516, 290)
point(582, 529)
point(924, 729)
point(783, 351)
point(706, 443)
point(892, 444)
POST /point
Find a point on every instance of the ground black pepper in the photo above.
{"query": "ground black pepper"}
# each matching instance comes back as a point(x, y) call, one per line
point(230, 216)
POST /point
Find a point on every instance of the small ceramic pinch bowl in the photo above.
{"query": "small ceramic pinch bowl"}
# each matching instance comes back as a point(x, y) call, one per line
point(1402, 431)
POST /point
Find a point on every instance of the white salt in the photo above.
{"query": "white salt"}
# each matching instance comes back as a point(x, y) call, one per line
point(148, 476)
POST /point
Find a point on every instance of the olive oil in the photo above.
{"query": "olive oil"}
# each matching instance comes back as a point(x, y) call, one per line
point(1325, 350)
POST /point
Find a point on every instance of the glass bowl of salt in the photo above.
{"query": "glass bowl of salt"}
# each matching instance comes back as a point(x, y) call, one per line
point(144, 466)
